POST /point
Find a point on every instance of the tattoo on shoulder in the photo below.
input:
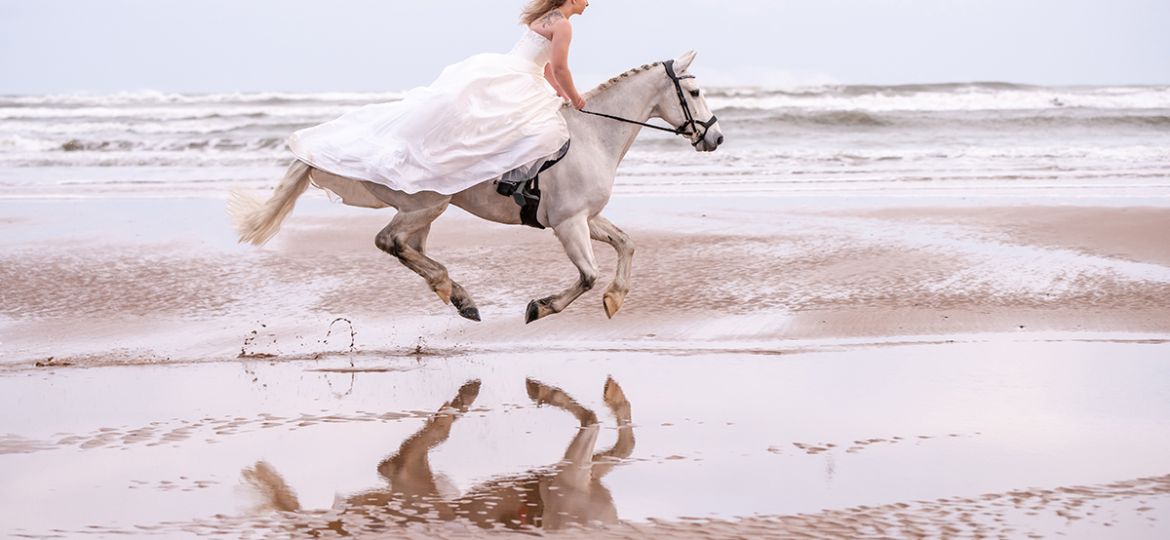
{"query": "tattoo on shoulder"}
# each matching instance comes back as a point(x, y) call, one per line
point(550, 18)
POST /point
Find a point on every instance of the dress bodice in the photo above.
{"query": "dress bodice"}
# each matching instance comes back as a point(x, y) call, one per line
point(533, 47)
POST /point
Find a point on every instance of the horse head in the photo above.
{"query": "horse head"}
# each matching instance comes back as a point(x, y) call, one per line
point(683, 104)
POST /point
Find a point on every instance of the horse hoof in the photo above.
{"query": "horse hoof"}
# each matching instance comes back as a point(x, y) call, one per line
point(466, 396)
point(533, 387)
point(612, 304)
point(470, 313)
point(532, 313)
point(613, 394)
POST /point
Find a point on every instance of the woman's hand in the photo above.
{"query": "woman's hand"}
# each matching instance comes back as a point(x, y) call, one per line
point(579, 103)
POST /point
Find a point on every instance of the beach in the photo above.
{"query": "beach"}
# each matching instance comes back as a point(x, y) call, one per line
point(708, 271)
point(876, 316)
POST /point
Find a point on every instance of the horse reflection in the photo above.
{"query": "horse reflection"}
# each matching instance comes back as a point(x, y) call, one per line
point(567, 493)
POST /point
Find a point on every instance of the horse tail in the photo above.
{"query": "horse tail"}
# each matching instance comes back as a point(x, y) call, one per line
point(257, 221)
point(271, 488)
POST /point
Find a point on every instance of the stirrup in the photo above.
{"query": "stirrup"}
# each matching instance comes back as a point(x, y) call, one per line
point(506, 188)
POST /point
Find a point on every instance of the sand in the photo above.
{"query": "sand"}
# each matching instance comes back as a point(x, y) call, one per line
point(790, 367)
point(162, 278)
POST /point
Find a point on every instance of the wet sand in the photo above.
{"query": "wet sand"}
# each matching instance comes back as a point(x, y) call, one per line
point(794, 367)
point(141, 280)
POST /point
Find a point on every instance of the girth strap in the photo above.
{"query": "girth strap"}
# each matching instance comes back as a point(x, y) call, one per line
point(531, 203)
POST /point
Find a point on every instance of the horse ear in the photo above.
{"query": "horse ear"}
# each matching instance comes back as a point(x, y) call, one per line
point(683, 62)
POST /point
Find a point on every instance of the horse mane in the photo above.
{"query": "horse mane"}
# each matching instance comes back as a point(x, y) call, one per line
point(614, 81)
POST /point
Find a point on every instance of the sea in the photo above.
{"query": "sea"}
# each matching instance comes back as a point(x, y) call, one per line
point(923, 139)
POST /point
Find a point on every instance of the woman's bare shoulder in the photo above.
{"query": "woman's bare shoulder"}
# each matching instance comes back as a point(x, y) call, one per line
point(552, 23)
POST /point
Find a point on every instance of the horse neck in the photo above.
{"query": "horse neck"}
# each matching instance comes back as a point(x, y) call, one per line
point(632, 98)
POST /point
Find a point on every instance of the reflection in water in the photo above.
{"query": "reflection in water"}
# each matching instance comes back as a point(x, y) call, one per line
point(569, 492)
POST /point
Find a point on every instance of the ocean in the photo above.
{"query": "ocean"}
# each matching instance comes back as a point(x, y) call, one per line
point(936, 139)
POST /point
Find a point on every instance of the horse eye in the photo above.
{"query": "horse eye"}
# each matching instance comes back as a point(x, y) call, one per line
point(695, 93)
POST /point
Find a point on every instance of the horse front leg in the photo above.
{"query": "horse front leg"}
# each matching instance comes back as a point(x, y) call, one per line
point(544, 394)
point(578, 458)
point(567, 494)
point(405, 238)
point(574, 236)
point(603, 230)
point(615, 399)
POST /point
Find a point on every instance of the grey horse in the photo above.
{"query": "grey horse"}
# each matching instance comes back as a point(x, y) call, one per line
point(575, 191)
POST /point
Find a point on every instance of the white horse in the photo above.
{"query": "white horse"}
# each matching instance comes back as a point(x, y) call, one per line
point(574, 192)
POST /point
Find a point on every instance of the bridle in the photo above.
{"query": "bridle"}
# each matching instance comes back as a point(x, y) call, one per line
point(690, 128)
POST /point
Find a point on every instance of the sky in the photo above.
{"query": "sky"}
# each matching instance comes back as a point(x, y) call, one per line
point(65, 46)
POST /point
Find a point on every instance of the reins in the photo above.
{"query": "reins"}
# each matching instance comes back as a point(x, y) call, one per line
point(628, 121)
point(690, 127)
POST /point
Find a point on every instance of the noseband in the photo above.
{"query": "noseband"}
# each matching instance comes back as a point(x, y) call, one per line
point(690, 128)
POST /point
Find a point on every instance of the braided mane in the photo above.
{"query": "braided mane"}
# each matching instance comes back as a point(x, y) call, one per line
point(610, 83)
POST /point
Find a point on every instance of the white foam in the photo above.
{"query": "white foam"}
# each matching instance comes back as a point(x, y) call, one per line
point(781, 152)
point(21, 144)
point(162, 113)
point(975, 99)
point(155, 97)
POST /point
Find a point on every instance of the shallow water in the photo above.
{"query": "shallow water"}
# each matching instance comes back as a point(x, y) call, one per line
point(855, 139)
point(718, 435)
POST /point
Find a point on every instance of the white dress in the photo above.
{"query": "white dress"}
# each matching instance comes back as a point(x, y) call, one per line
point(489, 115)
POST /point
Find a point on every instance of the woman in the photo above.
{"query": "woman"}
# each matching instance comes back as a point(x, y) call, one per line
point(483, 117)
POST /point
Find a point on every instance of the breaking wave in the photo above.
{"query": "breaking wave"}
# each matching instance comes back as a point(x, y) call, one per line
point(1009, 120)
point(792, 135)
point(153, 97)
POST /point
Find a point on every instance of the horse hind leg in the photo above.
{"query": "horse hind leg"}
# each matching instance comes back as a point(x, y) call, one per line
point(405, 238)
point(410, 463)
point(413, 486)
point(270, 485)
point(460, 298)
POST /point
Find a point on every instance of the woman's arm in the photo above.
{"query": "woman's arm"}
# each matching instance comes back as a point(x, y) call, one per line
point(562, 37)
point(552, 80)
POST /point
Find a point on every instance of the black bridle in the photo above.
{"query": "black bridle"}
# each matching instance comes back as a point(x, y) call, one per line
point(690, 128)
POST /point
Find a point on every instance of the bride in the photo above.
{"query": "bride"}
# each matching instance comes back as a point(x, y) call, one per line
point(483, 117)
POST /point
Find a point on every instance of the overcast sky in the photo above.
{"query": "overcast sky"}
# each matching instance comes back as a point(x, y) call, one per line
point(51, 46)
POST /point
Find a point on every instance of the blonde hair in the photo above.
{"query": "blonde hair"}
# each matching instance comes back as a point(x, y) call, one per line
point(537, 8)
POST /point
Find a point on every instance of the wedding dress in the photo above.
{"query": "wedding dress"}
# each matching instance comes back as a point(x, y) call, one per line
point(484, 117)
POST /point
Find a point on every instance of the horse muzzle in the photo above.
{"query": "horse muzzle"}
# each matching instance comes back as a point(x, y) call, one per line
point(710, 142)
